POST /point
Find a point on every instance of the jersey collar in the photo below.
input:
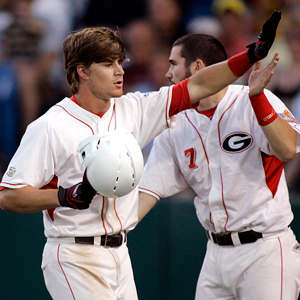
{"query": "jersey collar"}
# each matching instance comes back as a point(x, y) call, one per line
point(75, 101)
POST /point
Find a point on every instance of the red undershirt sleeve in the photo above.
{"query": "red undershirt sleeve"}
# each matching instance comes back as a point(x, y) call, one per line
point(181, 98)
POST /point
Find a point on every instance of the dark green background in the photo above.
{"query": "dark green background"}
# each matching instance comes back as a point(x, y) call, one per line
point(167, 249)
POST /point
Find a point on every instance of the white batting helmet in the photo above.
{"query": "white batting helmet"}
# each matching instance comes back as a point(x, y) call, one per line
point(113, 162)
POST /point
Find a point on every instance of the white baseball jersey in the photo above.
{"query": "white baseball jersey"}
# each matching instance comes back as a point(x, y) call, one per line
point(228, 163)
point(47, 157)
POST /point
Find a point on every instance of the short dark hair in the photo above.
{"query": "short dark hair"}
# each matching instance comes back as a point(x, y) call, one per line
point(201, 46)
point(87, 46)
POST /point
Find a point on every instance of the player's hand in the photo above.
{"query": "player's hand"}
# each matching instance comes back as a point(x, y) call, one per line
point(259, 78)
point(78, 196)
point(261, 47)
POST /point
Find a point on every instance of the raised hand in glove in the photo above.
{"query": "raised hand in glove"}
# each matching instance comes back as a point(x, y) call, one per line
point(261, 47)
point(78, 196)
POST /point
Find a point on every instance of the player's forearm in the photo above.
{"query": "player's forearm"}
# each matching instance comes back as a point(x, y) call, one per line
point(146, 203)
point(28, 199)
point(282, 139)
point(281, 136)
point(210, 80)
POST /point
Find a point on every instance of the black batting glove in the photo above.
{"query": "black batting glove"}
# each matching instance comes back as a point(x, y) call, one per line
point(78, 196)
point(261, 47)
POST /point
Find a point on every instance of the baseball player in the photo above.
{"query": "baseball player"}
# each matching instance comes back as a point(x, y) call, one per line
point(85, 256)
point(231, 150)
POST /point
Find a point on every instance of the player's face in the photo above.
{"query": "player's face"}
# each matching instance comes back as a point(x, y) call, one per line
point(105, 79)
point(177, 71)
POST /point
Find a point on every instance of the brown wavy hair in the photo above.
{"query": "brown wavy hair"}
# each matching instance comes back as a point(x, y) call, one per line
point(87, 46)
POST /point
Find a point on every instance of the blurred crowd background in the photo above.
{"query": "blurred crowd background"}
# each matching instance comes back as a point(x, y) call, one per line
point(31, 59)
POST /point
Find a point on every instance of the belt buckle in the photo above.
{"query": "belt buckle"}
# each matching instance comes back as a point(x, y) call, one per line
point(119, 240)
point(223, 239)
point(218, 239)
point(115, 240)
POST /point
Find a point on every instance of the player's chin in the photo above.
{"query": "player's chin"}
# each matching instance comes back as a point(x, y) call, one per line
point(117, 90)
point(115, 93)
point(118, 93)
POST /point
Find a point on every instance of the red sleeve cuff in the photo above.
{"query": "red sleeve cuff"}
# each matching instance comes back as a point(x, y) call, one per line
point(264, 111)
point(239, 64)
point(181, 98)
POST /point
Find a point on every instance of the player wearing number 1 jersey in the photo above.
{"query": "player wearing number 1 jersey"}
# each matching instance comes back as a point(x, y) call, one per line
point(230, 151)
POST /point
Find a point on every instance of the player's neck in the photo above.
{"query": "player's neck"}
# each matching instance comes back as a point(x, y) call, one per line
point(212, 101)
point(92, 103)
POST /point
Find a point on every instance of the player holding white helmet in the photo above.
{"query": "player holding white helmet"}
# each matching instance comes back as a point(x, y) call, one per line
point(86, 256)
point(113, 162)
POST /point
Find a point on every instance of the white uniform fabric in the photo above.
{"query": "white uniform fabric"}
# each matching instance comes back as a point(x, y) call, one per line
point(49, 146)
point(100, 273)
point(266, 269)
point(228, 163)
point(47, 157)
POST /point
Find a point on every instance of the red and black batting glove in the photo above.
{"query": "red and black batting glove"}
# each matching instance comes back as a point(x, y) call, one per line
point(78, 196)
point(261, 47)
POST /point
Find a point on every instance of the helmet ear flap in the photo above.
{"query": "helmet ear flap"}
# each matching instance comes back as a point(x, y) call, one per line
point(85, 149)
point(113, 162)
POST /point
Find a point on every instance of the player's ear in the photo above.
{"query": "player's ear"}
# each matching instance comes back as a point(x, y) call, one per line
point(82, 72)
point(199, 64)
point(196, 66)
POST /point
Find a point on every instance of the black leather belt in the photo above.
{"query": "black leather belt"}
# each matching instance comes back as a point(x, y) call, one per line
point(225, 239)
point(113, 241)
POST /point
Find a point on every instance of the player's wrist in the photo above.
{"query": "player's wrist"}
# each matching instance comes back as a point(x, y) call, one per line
point(62, 196)
point(264, 111)
point(78, 196)
point(239, 64)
